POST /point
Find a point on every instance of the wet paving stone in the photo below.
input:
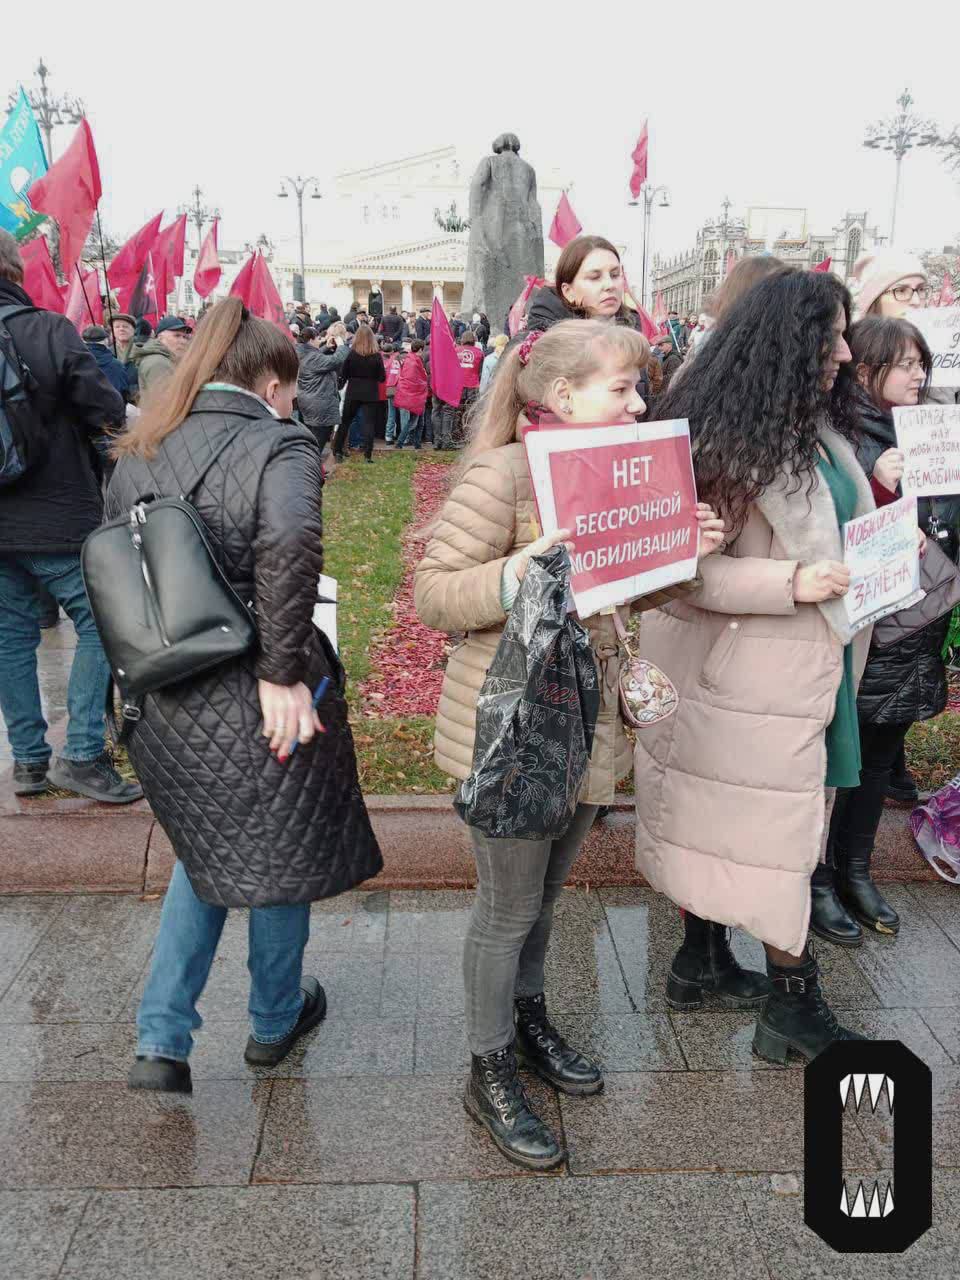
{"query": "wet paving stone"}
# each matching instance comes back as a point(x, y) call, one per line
point(228, 1233)
point(920, 967)
point(36, 1228)
point(23, 923)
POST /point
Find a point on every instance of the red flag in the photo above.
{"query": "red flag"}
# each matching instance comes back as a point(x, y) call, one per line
point(39, 277)
point(639, 158)
point(947, 296)
point(69, 192)
point(207, 275)
point(168, 256)
point(647, 327)
point(144, 302)
point(824, 266)
point(516, 319)
point(565, 225)
point(124, 271)
point(254, 286)
point(83, 304)
point(659, 309)
point(446, 375)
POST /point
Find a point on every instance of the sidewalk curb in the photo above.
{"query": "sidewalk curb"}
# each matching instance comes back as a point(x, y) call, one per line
point(80, 846)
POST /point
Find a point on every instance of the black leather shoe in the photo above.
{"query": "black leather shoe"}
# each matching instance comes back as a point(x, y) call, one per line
point(162, 1075)
point(313, 1012)
point(29, 779)
point(902, 787)
point(705, 967)
point(796, 1018)
point(861, 895)
point(829, 918)
point(96, 779)
point(496, 1099)
point(542, 1049)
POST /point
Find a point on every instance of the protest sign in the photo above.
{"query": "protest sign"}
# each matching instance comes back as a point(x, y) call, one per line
point(627, 493)
point(929, 435)
point(941, 328)
point(880, 549)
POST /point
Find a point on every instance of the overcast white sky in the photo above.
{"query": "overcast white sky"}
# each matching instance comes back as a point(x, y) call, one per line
point(742, 102)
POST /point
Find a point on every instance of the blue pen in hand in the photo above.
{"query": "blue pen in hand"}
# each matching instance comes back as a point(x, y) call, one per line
point(322, 688)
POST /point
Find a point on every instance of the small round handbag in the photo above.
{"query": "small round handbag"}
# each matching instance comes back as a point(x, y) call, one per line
point(647, 694)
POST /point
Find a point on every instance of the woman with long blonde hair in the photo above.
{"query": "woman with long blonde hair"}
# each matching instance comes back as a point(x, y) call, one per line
point(584, 372)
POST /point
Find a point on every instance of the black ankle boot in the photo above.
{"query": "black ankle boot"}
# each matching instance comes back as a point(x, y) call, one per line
point(829, 918)
point(542, 1049)
point(862, 896)
point(796, 1016)
point(705, 966)
point(497, 1100)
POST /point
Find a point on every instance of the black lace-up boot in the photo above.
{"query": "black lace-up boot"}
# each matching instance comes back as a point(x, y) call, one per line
point(497, 1100)
point(706, 967)
point(542, 1049)
point(796, 1016)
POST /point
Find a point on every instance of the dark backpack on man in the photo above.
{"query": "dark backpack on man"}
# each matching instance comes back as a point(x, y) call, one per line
point(163, 606)
point(23, 437)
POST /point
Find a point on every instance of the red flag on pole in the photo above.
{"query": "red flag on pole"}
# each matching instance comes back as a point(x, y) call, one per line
point(824, 266)
point(639, 158)
point(83, 304)
point(659, 309)
point(256, 289)
point(566, 225)
point(947, 296)
point(446, 375)
point(69, 192)
point(207, 275)
point(39, 277)
point(123, 273)
point(144, 303)
point(168, 256)
point(647, 327)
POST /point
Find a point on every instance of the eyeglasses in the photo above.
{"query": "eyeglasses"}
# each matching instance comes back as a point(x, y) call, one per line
point(906, 366)
point(907, 292)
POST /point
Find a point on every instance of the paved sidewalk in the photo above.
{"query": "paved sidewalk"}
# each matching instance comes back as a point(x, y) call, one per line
point(355, 1158)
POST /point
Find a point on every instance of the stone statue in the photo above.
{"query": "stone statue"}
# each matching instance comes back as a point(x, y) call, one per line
point(506, 232)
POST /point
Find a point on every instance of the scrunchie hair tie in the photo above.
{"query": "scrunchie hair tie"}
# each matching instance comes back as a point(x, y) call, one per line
point(527, 345)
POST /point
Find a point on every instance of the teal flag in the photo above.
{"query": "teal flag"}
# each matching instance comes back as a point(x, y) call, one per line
point(22, 162)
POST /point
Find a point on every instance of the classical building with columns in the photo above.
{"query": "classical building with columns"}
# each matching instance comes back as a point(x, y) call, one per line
point(686, 279)
point(380, 227)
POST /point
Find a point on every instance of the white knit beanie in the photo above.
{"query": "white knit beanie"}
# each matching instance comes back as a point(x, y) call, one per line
point(876, 272)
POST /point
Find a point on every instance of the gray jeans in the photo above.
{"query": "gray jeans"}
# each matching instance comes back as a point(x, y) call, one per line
point(517, 884)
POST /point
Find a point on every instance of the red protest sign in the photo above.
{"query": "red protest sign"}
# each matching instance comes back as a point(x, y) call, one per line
point(627, 493)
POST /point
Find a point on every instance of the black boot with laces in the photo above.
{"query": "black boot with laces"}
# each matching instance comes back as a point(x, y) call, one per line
point(496, 1099)
point(796, 1017)
point(542, 1049)
point(705, 966)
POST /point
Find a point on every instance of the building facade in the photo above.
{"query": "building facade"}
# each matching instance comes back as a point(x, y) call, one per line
point(686, 279)
point(384, 227)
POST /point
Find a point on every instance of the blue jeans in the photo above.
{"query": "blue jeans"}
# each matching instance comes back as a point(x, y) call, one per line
point(182, 956)
point(411, 424)
point(392, 428)
point(19, 637)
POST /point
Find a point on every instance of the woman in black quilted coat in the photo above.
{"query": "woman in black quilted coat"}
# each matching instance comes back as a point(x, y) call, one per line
point(903, 682)
point(254, 822)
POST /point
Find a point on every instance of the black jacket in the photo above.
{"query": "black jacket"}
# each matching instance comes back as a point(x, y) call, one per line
point(318, 393)
point(110, 367)
point(364, 375)
point(251, 831)
point(393, 327)
point(421, 328)
point(906, 681)
point(52, 509)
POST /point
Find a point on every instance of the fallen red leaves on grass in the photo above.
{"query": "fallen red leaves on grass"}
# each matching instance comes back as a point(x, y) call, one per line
point(408, 660)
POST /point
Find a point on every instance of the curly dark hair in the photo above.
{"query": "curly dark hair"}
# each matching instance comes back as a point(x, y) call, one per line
point(752, 394)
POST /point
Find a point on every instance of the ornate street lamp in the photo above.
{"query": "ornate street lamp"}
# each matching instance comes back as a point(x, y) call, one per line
point(198, 214)
point(649, 194)
point(299, 186)
point(900, 134)
point(50, 111)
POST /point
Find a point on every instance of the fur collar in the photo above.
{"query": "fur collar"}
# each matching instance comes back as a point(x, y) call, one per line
point(806, 525)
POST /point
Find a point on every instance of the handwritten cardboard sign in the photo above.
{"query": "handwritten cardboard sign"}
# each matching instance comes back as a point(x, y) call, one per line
point(881, 551)
point(627, 493)
point(929, 435)
point(941, 328)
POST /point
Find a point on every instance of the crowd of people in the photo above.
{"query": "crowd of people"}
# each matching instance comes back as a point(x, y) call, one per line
point(758, 802)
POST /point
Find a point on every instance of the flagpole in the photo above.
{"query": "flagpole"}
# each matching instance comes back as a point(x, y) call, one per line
point(103, 259)
point(84, 288)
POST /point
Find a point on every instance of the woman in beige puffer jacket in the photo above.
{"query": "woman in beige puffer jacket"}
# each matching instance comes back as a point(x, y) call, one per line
point(585, 372)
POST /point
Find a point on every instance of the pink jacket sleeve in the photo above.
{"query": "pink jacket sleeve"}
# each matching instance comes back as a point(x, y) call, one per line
point(746, 584)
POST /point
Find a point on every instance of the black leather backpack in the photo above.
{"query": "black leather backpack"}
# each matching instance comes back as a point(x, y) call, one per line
point(163, 606)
